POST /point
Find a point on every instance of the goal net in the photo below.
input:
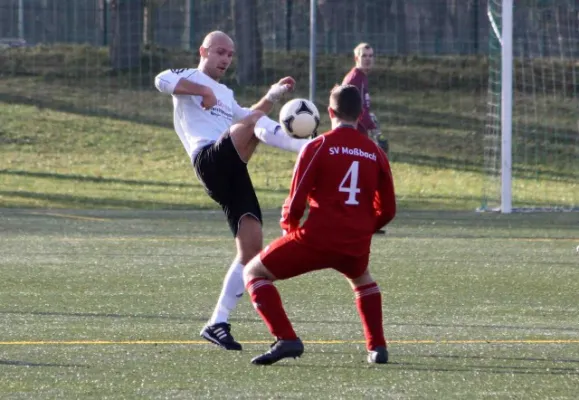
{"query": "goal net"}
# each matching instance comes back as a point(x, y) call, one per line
point(531, 147)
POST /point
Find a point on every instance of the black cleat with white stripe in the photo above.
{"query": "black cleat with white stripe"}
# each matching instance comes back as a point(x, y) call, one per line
point(220, 334)
point(378, 356)
point(279, 350)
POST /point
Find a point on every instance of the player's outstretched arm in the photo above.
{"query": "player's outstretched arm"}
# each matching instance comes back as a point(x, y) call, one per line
point(173, 81)
point(274, 94)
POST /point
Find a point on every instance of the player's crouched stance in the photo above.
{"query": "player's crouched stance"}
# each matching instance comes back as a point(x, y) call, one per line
point(347, 180)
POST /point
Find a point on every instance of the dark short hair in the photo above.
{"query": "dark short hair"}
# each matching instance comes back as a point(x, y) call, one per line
point(346, 102)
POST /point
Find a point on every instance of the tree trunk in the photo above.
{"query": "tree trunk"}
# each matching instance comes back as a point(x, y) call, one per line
point(438, 10)
point(127, 33)
point(401, 42)
point(248, 42)
point(288, 24)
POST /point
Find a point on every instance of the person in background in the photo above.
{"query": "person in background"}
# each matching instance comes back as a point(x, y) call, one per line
point(358, 76)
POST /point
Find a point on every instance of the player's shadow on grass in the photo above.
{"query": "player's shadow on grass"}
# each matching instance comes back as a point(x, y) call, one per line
point(19, 363)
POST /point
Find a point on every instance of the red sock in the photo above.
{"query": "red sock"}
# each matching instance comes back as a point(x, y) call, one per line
point(267, 302)
point(369, 304)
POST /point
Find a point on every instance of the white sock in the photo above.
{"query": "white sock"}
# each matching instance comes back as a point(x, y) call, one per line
point(269, 132)
point(231, 292)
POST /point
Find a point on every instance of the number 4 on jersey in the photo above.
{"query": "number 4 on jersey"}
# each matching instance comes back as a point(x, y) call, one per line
point(352, 189)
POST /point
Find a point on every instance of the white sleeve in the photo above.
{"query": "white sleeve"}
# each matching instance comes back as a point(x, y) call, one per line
point(239, 112)
point(167, 80)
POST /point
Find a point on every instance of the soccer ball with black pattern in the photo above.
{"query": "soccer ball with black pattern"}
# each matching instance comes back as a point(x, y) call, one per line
point(299, 118)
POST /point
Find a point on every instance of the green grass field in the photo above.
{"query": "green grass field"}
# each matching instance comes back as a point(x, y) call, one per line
point(112, 256)
point(108, 304)
point(59, 159)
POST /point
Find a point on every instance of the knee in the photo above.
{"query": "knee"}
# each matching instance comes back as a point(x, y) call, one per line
point(364, 279)
point(253, 269)
point(248, 273)
point(256, 115)
point(249, 121)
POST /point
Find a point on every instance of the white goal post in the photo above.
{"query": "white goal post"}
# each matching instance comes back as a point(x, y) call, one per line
point(531, 138)
point(506, 106)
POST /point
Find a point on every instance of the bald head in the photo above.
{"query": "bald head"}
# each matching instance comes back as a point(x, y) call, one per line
point(216, 53)
point(216, 38)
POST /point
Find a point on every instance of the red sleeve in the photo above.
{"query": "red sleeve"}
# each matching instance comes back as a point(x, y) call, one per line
point(302, 183)
point(385, 198)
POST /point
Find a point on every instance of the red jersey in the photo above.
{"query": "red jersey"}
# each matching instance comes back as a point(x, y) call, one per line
point(359, 79)
point(346, 180)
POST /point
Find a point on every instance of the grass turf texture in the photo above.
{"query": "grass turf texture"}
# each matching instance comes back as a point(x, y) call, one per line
point(97, 304)
point(109, 304)
point(64, 160)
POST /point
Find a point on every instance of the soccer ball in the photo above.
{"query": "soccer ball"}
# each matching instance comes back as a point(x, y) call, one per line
point(299, 118)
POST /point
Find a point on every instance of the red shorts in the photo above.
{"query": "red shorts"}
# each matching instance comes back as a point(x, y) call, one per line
point(287, 257)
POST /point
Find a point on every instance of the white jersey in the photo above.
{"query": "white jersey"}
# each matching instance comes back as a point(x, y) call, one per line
point(196, 126)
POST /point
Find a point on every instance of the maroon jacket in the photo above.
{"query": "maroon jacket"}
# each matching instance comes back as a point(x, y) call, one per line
point(359, 79)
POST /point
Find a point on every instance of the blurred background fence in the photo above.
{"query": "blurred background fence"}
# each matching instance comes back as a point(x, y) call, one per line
point(436, 86)
point(393, 26)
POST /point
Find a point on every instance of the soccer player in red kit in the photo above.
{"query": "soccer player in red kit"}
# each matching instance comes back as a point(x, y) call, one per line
point(346, 180)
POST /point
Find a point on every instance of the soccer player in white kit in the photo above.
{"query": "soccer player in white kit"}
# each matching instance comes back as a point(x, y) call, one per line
point(220, 137)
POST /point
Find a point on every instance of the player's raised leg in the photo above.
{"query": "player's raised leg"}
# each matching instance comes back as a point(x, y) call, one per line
point(270, 132)
point(248, 132)
point(369, 305)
